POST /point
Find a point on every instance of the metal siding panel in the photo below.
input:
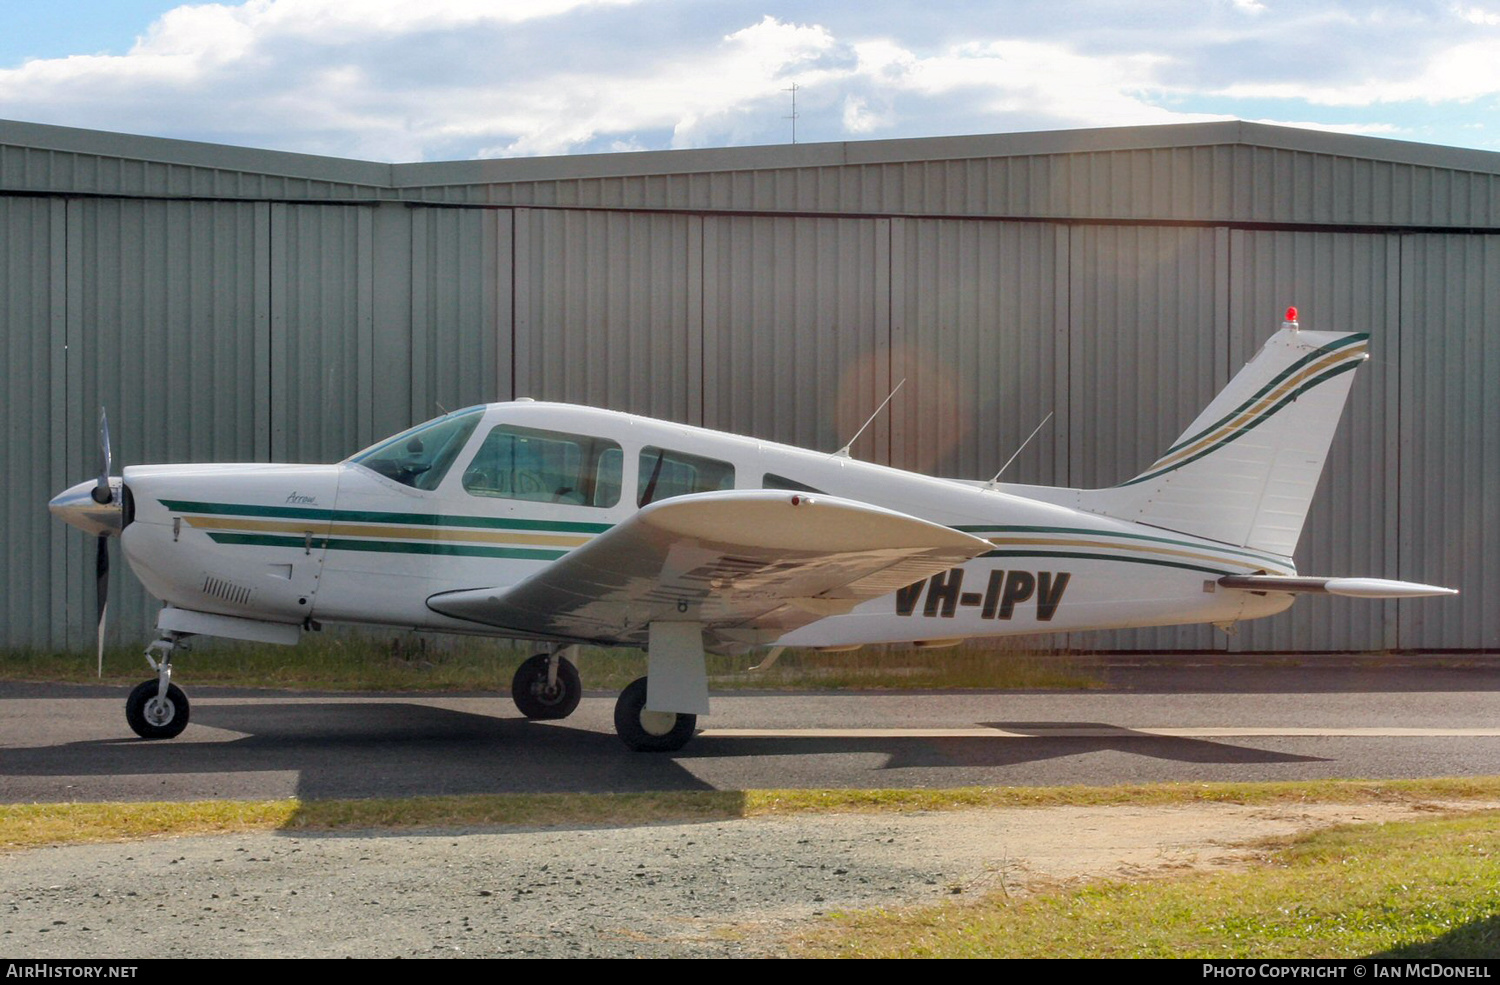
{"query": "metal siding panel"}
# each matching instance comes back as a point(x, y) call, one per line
point(1421, 198)
point(56, 633)
point(695, 342)
point(315, 338)
point(1450, 439)
point(1401, 211)
point(976, 346)
point(522, 261)
point(1142, 315)
point(394, 406)
point(1062, 321)
point(1381, 192)
point(1339, 283)
point(261, 299)
point(75, 414)
point(899, 334)
point(33, 457)
point(604, 309)
point(795, 319)
point(165, 295)
point(423, 398)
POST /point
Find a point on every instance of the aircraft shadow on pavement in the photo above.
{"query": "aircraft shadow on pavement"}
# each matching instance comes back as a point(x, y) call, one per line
point(393, 749)
point(1050, 741)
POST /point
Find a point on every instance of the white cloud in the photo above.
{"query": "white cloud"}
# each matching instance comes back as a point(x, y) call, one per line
point(1463, 71)
point(396, 80)
point(1478, 15)
point(1358, 129)
point(1039, 77)
point(860, 119)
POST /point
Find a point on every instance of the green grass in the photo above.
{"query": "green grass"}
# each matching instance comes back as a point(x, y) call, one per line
point(33, 825)
point(1416, 889)
point(423, 662)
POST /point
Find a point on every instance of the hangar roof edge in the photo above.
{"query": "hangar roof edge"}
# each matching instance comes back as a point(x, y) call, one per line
point(754, 158)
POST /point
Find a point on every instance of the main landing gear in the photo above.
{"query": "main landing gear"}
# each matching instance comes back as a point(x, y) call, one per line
point(547, 687)
point(158, 709)
point(650, 731)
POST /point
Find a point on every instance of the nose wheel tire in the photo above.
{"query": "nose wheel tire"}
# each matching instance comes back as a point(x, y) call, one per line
point(650, 731)
point(155, 716)
point(539, 702)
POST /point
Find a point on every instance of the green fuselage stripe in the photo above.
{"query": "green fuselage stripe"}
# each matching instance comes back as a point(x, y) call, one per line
point(982, 529)
point(450, 549)
point(1127, 559)
point(387, 546)
point(362, 516)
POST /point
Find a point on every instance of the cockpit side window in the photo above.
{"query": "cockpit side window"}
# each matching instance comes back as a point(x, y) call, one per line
point(421, 456)
point(546, 467)
point(665, 474)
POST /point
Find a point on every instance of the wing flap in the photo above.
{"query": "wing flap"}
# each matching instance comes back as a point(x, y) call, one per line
point(750, 563)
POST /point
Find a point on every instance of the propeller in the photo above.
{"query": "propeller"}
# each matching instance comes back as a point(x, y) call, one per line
point(103, 495)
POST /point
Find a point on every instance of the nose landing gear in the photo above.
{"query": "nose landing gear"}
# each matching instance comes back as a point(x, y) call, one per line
point(547, 687)
point(158, 709)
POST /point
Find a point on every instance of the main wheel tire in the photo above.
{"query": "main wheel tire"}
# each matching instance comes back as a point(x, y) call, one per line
point(650, 731)
point(539, 702)
point(153, 717)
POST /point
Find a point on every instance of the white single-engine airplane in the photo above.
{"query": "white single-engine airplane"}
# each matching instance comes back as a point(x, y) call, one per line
point(571, 525)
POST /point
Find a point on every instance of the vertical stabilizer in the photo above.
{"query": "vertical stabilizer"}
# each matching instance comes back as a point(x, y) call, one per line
point(1245, 471)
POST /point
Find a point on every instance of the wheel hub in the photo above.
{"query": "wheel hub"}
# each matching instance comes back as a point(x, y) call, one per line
point(658, 722)
point(159, 711)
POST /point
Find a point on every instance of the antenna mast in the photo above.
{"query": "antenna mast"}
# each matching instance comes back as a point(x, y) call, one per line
point(844, 451)
point(793, 117)
point(995, 481)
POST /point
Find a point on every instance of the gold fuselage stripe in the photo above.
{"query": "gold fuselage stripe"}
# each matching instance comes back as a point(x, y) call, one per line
point(324, 528)
point(1127, 548)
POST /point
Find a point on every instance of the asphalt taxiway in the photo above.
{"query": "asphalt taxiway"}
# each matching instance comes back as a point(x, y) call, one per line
point(1175, 720)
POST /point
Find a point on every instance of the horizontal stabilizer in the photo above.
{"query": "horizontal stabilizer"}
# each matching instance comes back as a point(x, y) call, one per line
point(746, 564)
point(1359, 588)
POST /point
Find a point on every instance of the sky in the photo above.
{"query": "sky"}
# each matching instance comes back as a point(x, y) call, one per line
point(431, 80)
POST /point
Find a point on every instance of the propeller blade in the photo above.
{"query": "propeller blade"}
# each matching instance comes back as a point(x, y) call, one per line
point(102, 493)
point(101, 591)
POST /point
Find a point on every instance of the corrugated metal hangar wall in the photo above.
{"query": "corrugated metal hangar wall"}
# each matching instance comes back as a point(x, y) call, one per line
point(228, 305)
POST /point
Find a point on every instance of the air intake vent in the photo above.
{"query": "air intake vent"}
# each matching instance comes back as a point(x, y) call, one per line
point(226, 590)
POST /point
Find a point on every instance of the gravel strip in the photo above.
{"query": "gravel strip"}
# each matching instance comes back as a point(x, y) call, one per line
point(718, 889)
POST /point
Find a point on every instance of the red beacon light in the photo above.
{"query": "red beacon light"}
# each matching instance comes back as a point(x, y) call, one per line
point(1291, 318)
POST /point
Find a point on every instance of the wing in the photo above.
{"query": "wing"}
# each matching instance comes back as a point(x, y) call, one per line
point(750, 565)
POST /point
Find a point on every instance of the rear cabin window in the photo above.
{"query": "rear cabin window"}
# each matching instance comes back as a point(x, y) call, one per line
point(773, 481)
point(665, 474)
point(546, 467)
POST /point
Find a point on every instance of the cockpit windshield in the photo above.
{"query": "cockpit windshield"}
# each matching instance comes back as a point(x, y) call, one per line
point(421, 456)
